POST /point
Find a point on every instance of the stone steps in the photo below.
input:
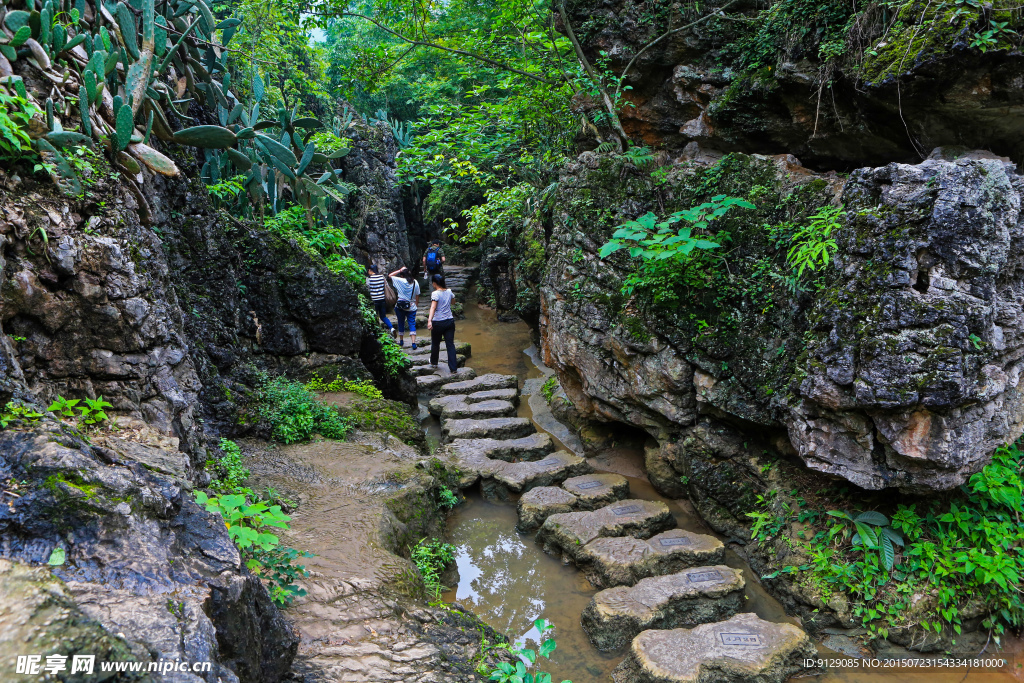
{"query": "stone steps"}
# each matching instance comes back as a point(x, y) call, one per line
point(460, 410)
point(623, 561)
point(420, 360)
point(487, 428)
point(433, 382)
point(532, 447)
point(486, 382)
point(461, 348)
point(500, 479)
point(742, 649)
point(695, 596)
point(569, 532)
point(589, 492)
point(437, 404)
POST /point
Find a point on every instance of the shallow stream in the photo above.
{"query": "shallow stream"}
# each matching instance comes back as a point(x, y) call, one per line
point(508, 581)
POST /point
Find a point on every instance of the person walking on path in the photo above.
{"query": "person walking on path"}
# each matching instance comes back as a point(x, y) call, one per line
point(441, 322)
point(376, 282)
point(408, 290)
point(433, 259)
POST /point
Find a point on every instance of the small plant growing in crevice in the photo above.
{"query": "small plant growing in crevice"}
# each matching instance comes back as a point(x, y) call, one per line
point(549, 388)
point(431, 557)
point(446, 498)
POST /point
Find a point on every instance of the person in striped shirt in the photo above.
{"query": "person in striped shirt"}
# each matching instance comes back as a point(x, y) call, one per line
point(375, 281)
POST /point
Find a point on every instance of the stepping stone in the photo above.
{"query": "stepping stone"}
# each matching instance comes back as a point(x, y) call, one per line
point(510, 395)
point(743, 649)
point(570, 531)
point(597, 490)
point(427, 383)
point(487, 428)
point(626, 560)
point(461, 348)
point(532, 447)
point(538, 504)
point(501, 479)
point(424, 359)
point(458, 410)
point(696, 596)
point(482, 383)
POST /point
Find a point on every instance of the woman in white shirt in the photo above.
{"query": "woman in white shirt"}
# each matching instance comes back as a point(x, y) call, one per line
point(408, 290)
point(441, 322)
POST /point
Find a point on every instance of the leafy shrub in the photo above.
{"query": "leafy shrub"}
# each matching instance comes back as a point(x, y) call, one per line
point(500, 214)
point(347, 267)
point(295, 413)
point(431, 557)
point(15, 114)
point(91, 413)
point(16, 412)
point(395, 359)
point(813, 245)
point(230, 468)
point(967, 548)
point(517, 673)
point(277, 565)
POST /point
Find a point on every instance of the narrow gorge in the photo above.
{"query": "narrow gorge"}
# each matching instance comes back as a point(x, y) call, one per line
point(734, 390)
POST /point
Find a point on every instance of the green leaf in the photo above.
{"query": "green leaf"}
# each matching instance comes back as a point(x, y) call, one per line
point(230, 22)
point(208, 137)
point(125, 127)
point(888, 552)
point(307, 158)
point(872, 518)
point(23, 34)
point(276, 149)
point(57, 557)
point(257, 88)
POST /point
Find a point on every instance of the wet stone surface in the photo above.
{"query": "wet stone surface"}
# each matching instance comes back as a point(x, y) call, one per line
point(536, 505)
point(493, 428)
point(694, 596)
point(429, 383)
point(482, 383)
point(597, 490)
point(743, 649)
point(460, 409)
point(624, 561)
point(506, 478)
point(570, 532)
point(471, 452)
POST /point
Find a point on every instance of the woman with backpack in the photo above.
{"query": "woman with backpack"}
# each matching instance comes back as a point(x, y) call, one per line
point(408, 290)
point(441, 322)
point(377, 284)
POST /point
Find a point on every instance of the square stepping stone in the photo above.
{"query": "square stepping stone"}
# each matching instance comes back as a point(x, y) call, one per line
point(597, 490)
point(510, 395)
point(539, 503)
point(624, 561)
point(694, 596)
point(570, 532)
point(743, 649)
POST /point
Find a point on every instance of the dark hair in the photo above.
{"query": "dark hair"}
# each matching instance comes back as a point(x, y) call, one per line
point(373, 268)
point(407, 274)
point(435, 241)
point(438, 279)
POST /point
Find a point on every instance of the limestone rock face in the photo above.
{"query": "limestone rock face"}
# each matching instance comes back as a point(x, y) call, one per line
point(901, 368)
point(142, 559)
point(741, 650)
point(913, 375)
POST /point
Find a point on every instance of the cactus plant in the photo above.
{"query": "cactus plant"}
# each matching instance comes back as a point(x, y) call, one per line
point(209, 137)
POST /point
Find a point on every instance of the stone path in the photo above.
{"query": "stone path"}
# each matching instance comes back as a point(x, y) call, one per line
point(655, 577)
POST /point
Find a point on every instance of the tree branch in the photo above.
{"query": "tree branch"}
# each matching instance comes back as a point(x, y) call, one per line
point(464, 53)
point(622, 76)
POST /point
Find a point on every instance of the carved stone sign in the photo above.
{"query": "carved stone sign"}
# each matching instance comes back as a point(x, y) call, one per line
point(741, 639)
point(701, 577)
point(626, 510)
point(589, 485)
point(675, 540)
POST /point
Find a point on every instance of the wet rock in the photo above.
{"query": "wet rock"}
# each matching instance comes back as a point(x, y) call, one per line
point(460, 409)
point(744, 649)
point(482, 383)
point(597, 490)
point(568, 533)
point(423, 359)
point(423, 350)
point(695, 596)
point(532, 447)
point(38, 615)
point(487, 428)
point(510, 395)
point(430, 383)
point(626, 560)
point(538, 504)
